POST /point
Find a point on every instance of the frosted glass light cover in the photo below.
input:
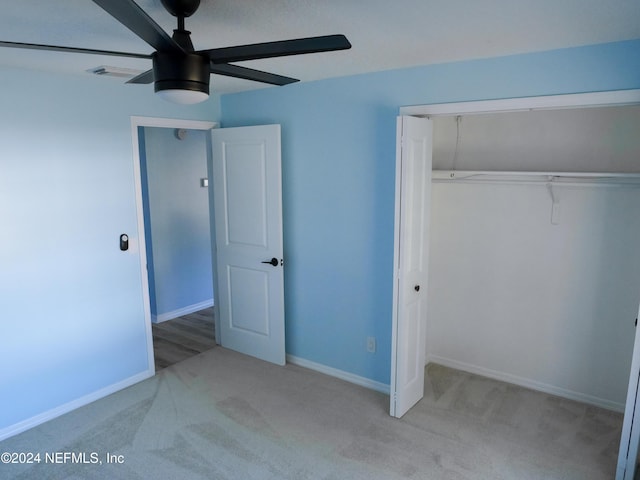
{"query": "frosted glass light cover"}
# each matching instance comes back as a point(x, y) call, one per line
point(183, 97)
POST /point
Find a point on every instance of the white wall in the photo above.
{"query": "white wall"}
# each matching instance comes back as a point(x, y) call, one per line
point(588, 139)
point(516, 297)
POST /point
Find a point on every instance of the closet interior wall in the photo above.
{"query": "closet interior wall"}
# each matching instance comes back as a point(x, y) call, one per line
point(537, 282)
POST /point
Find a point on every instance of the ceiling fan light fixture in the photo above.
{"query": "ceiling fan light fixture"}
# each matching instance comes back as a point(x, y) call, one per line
point(182, 97)
point(182, 79)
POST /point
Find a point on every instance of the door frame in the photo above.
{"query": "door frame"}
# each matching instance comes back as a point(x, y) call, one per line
point(508, 105)
point(136, 122)
point(523, 104)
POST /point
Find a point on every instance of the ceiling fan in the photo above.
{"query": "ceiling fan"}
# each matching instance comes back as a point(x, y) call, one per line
point(180, 73)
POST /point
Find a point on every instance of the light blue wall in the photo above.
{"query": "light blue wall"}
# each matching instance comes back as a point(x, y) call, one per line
point(71, 311)
point(338, 143)
point(176, 220)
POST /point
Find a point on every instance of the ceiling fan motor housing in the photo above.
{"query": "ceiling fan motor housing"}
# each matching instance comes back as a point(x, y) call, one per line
point(181, 72)
point(181, 8)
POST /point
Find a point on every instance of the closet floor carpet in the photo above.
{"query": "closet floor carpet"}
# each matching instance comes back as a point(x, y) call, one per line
point(224, 415)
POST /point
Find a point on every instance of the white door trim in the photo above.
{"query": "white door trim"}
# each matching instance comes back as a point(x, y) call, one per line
point(576, 100)
point(139, 242)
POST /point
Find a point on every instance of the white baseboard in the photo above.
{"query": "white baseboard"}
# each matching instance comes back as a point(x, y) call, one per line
point(527, 383)
point(341, 374)
point(196, 307)
point(67, 407)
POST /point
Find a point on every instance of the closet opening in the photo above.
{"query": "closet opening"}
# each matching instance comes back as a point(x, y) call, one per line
point(534, 274)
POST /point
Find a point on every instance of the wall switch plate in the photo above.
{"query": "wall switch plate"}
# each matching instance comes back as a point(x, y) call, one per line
point(204, 182)
point(371, 344)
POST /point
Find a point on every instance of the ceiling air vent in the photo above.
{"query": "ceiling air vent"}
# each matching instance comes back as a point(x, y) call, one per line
point(107, 71)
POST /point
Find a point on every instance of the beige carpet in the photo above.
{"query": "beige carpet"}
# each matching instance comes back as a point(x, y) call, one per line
point(221, 415)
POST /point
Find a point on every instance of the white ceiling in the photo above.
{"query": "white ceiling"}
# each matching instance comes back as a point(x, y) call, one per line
point(385, 34)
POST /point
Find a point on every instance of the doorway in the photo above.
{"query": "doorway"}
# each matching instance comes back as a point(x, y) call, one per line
point(183, 337)
point(600, 99)
point(178, 241)
point(173, 217)
point(533, 254)
point(243, 228)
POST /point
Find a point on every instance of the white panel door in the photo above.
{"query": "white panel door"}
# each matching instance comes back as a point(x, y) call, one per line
point(630, 438)
point(247, 199)
point(413, 198)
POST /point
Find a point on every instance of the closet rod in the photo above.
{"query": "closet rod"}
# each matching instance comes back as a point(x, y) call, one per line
point(537, 178)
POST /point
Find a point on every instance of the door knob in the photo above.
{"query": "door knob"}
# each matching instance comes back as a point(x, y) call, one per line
point(273, 261)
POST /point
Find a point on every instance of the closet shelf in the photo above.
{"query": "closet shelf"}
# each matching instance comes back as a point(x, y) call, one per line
point(537, 178)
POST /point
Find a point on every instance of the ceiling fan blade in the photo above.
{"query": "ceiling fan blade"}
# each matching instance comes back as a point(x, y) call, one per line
point(250, 74)
point(35, 46)
point(282, 48)
point(144, 77)
point(128, 13)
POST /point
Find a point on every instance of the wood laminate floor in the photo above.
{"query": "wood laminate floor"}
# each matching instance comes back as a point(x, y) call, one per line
point(183, 337)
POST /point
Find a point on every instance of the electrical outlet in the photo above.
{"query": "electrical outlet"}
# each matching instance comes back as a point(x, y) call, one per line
point(371, 344)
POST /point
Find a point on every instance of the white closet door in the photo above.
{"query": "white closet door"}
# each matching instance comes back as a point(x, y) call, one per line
point(413, 198)
point(630, 439)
